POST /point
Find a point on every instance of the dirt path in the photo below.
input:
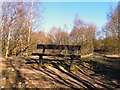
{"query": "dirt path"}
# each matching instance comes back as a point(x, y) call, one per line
point(93, 73)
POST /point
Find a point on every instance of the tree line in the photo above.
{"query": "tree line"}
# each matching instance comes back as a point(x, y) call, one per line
point(20, 31)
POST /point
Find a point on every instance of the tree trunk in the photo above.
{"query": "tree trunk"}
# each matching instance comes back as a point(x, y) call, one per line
point(30, 27)
point(9, 29)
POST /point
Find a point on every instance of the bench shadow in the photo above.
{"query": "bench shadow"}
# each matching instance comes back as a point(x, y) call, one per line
point(57, 78)
point(75, 77)
point(60, 79)
point(69, 83)
point(102, 69)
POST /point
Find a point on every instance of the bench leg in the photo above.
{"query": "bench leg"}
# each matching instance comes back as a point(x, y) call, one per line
point(40, 60)
point(71, 62)
point(80, 61)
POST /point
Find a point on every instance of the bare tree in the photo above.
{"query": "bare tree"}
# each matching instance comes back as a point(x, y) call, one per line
point(111, 29)
point(83, 34)
point(9, 30)
point(17, 27)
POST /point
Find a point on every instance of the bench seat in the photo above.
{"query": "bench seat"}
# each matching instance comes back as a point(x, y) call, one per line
point(58, 55)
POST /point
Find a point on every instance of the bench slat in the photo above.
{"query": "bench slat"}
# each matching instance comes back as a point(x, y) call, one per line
point(59, 55)
point(60, 47)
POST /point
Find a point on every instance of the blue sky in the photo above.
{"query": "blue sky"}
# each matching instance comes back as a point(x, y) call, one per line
point(61, 13)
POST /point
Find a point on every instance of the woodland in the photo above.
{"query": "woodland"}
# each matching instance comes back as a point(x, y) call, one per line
point(20, 32)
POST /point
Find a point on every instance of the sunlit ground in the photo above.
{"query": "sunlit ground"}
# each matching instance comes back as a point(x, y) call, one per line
point(94, 72)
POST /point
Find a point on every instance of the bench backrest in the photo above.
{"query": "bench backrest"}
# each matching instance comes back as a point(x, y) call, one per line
point(59, 47)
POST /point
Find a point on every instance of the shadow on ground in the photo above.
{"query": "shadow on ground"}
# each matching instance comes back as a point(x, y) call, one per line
point(103, 75)
point(92, 73)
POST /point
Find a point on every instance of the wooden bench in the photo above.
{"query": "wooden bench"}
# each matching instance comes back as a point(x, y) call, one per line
point(71, 48)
